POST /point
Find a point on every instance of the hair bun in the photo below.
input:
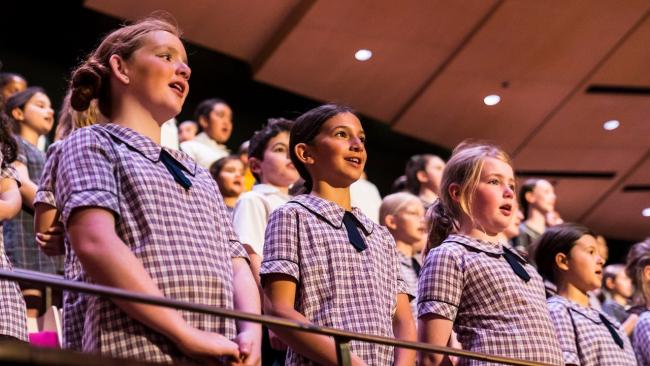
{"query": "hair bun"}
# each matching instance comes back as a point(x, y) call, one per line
point(85, 85)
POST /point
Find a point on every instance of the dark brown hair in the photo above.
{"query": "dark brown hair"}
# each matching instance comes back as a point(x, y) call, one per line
point(556, 239)
point(305, 130)
point(637, 259)
point(258, 143)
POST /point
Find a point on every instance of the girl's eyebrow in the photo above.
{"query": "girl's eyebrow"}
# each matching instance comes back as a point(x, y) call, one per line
point(361, 132)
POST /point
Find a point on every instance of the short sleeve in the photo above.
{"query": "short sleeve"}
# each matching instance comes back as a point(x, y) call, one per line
point(86, 175)
point(441, 284)
point(9, 172)
point(641, 340)
point(250, 219)
point(565, 332)
point(281, 244)
point(45, 192)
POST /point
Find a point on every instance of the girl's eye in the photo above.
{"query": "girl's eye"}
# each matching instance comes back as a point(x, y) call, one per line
point(340, 134)
point(363, 139)
point(166, 56)
point(280, 149)
point(493, 181)
point(512, 187)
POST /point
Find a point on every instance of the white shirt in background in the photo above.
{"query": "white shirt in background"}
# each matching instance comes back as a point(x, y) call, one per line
point(204, 150)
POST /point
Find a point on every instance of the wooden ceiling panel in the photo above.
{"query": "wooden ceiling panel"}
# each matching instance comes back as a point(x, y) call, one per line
point(629, 65)
point(576, 196)
point(238, 29)
point(619, 216)
point(542, 51)
point(578, 159)
point(409, 41)
point(580, 123)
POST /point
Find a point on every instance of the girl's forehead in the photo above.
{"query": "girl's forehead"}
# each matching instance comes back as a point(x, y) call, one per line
point(40, 97)
point(346, 119)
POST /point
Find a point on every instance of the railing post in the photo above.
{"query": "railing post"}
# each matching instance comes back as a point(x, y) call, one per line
point(343, 351)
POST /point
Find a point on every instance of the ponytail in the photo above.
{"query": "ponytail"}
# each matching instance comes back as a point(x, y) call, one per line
point(442, 224)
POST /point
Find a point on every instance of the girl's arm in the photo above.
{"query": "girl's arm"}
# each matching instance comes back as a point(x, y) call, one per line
point(48, 229)
point(404, 329)
point(280, 291)
point(10, 201)
point(247, 300)
point(435, 330)
point(109, 262)
point(27, 187)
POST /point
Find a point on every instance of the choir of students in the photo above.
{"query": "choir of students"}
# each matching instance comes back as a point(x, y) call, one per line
point(126, 212)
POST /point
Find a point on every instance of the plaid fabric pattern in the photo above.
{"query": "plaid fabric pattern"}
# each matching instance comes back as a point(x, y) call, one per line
point(410, 278)
point(13, 320)
point(337, 286)
point(183, 238)
point(494, 311)
point(73, 302)
point(641, 339)
point(19, 231)
point(583, 337)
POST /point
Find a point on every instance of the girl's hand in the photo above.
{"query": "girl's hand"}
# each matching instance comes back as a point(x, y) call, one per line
point(51, 242)
point(249, 348)
point(205, 345)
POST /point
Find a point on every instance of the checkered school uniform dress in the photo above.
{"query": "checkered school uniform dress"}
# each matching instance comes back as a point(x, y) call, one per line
point(183, 238)
point(73, 302)
point(19, 231)
point(337, 286)
point(494, 311)
point(410, 276)
point(13, 320)
point(641, 339)
point(584, 338)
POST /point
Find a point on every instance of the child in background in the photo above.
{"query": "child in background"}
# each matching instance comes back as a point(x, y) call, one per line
point(268, 157)
point(470, 279)
point(423, 174)
point(228, 172)
point(403, 214)
point(187, 131)
point(10, 84)
point(324, 261)
point(537, 200)
point(619, 286)
point(566, 255)
point(13, 324)
point(638, 269)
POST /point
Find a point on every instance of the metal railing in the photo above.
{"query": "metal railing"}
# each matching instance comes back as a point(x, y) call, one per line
point(341, 337)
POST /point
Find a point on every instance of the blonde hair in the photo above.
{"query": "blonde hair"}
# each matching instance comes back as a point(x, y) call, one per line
point(637, 259)
point(464, 169)
point(70, 120)
point(91, 79)
point(394, 203)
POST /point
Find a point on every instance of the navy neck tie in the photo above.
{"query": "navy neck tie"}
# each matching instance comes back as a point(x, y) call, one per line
point(513, 261)
point(175, 168)
point(416, 266)
point(354, 236)
point(612, 330)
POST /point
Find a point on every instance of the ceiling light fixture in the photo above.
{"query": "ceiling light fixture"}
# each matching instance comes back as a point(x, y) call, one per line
point(611, 125)
point(646, 212)
point(363, 55)
point(491, 100)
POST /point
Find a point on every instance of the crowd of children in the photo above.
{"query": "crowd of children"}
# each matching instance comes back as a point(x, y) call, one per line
point(456, 256)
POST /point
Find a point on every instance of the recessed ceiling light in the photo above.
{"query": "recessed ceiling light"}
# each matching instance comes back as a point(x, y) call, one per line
point(611, 125)
point(646, 212)
point(363, 55)
point(492, 99)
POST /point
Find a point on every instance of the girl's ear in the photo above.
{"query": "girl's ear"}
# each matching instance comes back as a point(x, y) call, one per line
point(562, 262)
point(17, 114)
point(119, 68)
point(303, 153)
point(529, 197)
point(254, 164)
point(454, 192)
point(421, 176)
point(389, 221)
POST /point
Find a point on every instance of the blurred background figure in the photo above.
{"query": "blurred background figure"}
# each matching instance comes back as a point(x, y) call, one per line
point(187, 130)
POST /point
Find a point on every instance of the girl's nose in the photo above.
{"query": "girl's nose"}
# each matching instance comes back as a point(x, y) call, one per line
point(184, 70)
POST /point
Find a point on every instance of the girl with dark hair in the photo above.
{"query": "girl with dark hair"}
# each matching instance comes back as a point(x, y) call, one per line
point(423, 174)
point(145, 218)
point(566, 255)
point(13, 323)
point(10, 84)
point(638, 269)
point(537, 200)
point(472, 280)
point(31, 116)
point(325, 262)
point(228, 172)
